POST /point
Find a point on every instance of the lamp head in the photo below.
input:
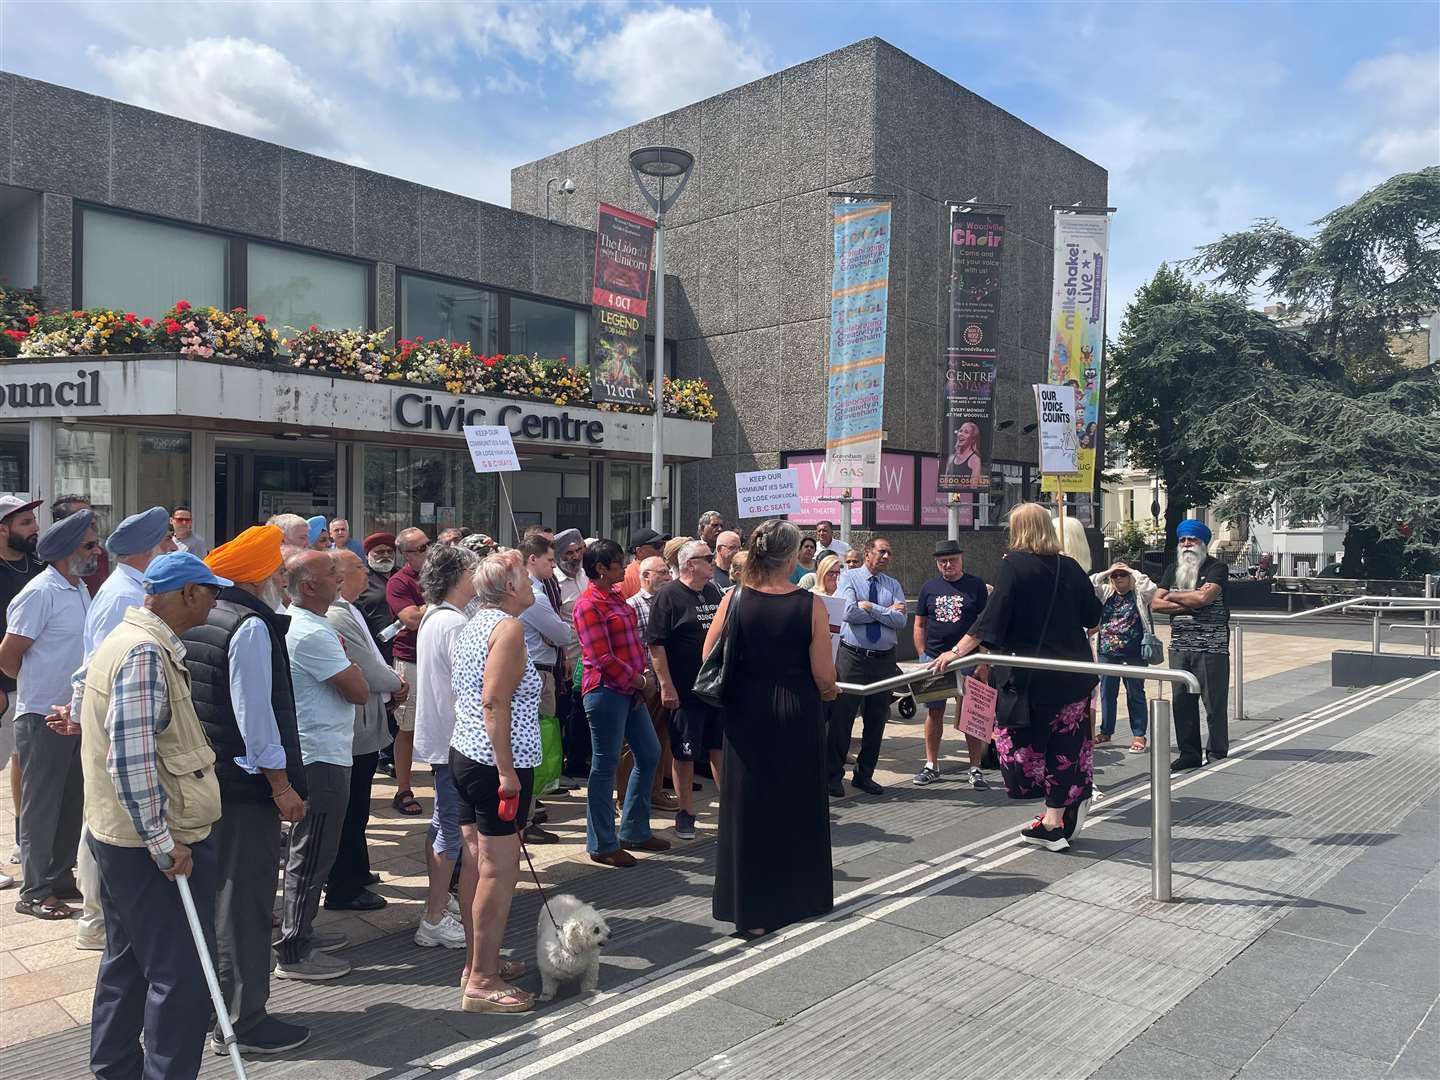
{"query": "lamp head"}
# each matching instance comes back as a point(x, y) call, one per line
point(662, 161)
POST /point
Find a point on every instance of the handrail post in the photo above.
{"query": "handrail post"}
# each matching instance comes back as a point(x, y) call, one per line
point(1239, 671)
point(1160, 799)
point(1430, 582)
point(1375, 634)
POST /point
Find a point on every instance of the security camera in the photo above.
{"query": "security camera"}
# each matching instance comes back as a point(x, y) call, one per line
point(567, 186)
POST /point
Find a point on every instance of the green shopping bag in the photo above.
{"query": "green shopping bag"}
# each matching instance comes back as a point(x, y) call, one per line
point(547, 773)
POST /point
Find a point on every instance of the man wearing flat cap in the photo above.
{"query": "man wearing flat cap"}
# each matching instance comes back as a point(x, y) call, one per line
point(1192, 593)
point(43, 646)
point(948, 606)
point(240, 677)
point(151, 799)
point(135, 542)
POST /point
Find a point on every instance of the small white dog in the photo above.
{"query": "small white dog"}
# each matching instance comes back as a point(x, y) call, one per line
point(572, 951)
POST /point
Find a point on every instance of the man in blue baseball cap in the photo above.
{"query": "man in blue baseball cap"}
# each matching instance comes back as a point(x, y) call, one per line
point(151, 798)
point(1192, 593)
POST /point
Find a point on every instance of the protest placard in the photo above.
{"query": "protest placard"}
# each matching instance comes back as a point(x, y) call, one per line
point(977, 709)
point(492, 449)
point(1055, 409)
point(835, 613)
point(767, 494)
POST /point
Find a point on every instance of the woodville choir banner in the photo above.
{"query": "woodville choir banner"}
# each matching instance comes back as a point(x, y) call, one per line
point(1077, 332)
point(621, 299)
point(968, 375)
point(859, 293)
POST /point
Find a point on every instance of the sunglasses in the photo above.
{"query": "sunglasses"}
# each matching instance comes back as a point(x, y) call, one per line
point(703, 558)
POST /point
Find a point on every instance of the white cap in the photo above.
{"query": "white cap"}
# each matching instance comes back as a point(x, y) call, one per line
point(13, 504)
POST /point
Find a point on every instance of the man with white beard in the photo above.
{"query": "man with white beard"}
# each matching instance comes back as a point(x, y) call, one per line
point(1192, 593)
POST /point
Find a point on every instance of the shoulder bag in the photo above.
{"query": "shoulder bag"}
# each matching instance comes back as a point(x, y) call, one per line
point(714, 674)
point(1152, 651)
point(1012, 704)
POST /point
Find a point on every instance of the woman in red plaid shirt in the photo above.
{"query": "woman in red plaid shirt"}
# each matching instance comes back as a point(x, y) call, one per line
point(614, 678)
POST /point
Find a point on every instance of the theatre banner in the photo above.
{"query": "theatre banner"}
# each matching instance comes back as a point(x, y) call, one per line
point(859, 293)
point(967, 384)
point(621, 299)
point(1077, 332)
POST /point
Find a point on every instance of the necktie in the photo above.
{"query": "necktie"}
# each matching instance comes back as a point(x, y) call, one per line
point(872, 630)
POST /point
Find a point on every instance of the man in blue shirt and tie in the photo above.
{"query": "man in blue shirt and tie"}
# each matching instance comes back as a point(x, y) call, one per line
point(875, 613)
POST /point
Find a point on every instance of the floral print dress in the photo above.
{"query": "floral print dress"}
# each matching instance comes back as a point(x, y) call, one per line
point(1053, 757)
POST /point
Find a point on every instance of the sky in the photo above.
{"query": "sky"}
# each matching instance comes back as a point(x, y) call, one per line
point(1207, 115)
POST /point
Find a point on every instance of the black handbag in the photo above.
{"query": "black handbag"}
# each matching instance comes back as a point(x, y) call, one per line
point(711, 679)
point(1012, 703)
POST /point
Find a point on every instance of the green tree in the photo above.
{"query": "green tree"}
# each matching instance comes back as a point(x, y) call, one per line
point(1183, 356)
point(1370, 271)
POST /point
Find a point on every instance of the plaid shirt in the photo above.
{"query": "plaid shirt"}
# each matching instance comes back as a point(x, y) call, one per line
point(609, 633)
point(642, 602)
point(139, 711)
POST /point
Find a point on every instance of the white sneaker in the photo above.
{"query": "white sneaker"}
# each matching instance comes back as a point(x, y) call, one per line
point(446, 934)
point(6, 881)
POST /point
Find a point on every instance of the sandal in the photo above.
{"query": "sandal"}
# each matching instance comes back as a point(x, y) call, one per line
point(507, 999)
point(406, 803)
point(50, 909)
point(509, 970)
point(1137, 744)
point(1101, 738)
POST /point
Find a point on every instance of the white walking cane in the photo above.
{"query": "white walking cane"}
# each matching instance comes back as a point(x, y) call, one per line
point(221, 1012)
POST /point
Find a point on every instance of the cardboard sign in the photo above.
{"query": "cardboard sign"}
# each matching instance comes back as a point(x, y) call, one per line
point(767, 494)
point(977, 709)
point(492, 449)
point(1059, 448)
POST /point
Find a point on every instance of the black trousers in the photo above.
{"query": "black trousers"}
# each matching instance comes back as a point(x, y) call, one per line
point(574, 731)
point(150, 976)
point(1213, 671)
point(247, 837)
point(351, 873)
point(856, 667)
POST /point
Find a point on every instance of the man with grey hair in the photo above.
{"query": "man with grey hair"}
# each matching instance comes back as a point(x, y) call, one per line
point(727, 546)
point(296, 530)
point(654, 576)
point(679, 621)
point(711, 525)
point(328, 686)
point(342, 540)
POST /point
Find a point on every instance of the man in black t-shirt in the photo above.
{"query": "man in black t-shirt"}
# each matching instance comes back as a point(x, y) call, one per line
point(1192, 593)
point(19, 532)
point(679, 620)
point(948, 606)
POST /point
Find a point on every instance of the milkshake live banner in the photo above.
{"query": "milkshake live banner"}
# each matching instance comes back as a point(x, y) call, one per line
point(1077, 332)
point(621, 299)
point(859, 292)
point(968, 379)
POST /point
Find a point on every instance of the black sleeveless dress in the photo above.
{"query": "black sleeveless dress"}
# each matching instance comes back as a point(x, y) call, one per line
point(773, 865)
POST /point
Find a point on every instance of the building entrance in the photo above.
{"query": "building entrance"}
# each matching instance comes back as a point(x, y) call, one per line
point(257, 478)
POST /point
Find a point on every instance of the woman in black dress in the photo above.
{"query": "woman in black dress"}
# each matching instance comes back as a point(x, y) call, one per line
point(1043, 605)
point(773, 866)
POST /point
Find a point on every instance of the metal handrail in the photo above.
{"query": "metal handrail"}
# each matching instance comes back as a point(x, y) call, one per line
point(1160, 811)
point(1375, 606)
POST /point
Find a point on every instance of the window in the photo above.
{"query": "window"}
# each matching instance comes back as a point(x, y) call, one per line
point(85, 468)
point(19, 237)
point(15, 458)
point(293, 288)
point(1008, 493)
point(430, 489)
point(131, 264)
point(160, 461)
point(440, 309)
point(549, 330)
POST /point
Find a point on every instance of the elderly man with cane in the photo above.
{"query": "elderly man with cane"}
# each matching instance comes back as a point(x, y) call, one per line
point(151, 798)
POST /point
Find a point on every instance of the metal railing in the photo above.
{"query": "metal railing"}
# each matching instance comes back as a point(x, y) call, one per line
point(1160, 719)
point(1375, 606)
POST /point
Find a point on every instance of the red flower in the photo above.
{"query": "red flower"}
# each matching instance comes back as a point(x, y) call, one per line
point(258, 318)
point(146, 321)
point(77, 314)
point(171, 326)
point(182, 305)
point(18, 335)
point(129, 316)
point(32, 319)
point(312, 328)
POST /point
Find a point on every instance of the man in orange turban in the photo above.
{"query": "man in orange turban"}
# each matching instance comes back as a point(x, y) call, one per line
point(240, 679)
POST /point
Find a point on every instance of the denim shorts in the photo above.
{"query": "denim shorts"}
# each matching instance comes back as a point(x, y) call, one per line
point(444, 831)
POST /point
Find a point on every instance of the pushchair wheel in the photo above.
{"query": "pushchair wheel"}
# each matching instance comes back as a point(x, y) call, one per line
point(906, 706)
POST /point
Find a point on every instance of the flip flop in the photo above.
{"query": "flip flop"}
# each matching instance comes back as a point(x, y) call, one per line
point(494, 1001)
point(50, 910)
point(1137, 745)
point(509, 970)
point(406, 803)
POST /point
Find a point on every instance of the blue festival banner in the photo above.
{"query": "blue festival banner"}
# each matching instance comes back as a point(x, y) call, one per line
point(859, 295)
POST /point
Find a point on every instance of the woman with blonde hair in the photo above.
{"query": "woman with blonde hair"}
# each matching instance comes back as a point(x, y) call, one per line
point(826, 578)
point(1073, 541)
point(671, 551)
point(1042, 605)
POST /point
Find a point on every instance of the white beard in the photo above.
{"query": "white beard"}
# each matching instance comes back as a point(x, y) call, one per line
point(1187, 569)
point(271, 596)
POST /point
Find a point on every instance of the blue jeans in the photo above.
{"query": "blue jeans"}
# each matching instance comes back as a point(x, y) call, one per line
point(1134, 700)
point(616, 719)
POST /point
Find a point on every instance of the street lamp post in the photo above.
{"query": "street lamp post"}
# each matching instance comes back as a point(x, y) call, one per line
point(662, 163)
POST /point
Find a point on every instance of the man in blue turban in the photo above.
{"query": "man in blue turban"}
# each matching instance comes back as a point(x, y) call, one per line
point(318, 533)
point(1192, 593)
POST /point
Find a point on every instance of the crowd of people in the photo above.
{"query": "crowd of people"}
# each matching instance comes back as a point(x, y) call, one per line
point(223, 713)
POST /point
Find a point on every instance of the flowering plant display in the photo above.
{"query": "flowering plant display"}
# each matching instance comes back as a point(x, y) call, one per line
point(20, 310)
point(351, 352)
point(450, 364)
point(206, 333)
point(97, 332)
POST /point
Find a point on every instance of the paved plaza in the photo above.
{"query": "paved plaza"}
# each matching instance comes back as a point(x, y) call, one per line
point(1304, 939)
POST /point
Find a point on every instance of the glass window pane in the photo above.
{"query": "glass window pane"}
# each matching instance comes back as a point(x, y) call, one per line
point(295, 289)
point(443, 310)
point(14, 458)
point(19, 237)
point(549, 331)
point(429, 489)
point(130, 264)
point(84, 467)
point(162, 468)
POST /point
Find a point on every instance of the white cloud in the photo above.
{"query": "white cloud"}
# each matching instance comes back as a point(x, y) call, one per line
point(1405, 87)
point(1399, 81)
point(232, 83)
point(660, 58)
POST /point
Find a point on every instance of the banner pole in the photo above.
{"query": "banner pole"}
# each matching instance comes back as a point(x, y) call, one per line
point(509, 506)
